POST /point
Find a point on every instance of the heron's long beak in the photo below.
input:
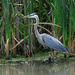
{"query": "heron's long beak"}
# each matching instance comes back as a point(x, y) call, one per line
point(27, 16)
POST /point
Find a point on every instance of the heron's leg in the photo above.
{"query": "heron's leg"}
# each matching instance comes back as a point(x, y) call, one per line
point(49, 59)
point(56, 53)
point(65, 55)
point(52, 51)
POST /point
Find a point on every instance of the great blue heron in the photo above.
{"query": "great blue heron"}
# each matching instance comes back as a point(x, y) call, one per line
point(45, 39)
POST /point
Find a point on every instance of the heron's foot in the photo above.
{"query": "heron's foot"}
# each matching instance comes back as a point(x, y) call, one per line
point(56, 57)
point(53, 59)
point(49, 59)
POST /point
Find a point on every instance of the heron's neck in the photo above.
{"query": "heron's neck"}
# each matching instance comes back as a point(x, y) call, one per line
point(35, 28)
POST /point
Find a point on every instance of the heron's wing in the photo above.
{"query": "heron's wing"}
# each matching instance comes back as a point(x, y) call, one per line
point(51, 42)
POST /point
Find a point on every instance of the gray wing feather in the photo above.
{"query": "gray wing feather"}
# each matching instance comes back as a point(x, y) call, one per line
point(51, 42)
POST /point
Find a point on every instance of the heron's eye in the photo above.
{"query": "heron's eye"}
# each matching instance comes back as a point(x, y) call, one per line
point(31, 15)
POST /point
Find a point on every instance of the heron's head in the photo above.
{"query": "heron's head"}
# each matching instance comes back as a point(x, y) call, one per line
point(33, 15)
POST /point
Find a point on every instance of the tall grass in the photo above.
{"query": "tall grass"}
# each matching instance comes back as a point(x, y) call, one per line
point(12, 23)
point(60, 17)
point(7, 29)
point(71, 24)
point(29, 11)
point(65, 17)
point(60, 12)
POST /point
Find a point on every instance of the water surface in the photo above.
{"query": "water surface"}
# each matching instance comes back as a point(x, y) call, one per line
point(38, 68)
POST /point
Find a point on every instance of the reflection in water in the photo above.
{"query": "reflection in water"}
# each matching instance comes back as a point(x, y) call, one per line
point(38, 68)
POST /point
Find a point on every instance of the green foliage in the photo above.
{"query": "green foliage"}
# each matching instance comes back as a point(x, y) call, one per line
point(7, 29)
point(64, 15)
point(56, 15)
point(6, 14)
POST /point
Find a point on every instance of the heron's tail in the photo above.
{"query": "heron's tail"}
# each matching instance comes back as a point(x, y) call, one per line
point(67, 51)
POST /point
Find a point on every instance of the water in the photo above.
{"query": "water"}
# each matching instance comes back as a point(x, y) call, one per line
point(38, 68)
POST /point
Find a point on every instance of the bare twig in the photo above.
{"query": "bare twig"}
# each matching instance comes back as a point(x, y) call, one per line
point(22, 47)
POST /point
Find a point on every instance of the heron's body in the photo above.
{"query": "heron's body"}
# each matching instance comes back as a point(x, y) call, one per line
point(53, 43)
point(47, 40)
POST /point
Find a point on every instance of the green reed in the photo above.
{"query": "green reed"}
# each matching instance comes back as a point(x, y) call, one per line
point(7, 29)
